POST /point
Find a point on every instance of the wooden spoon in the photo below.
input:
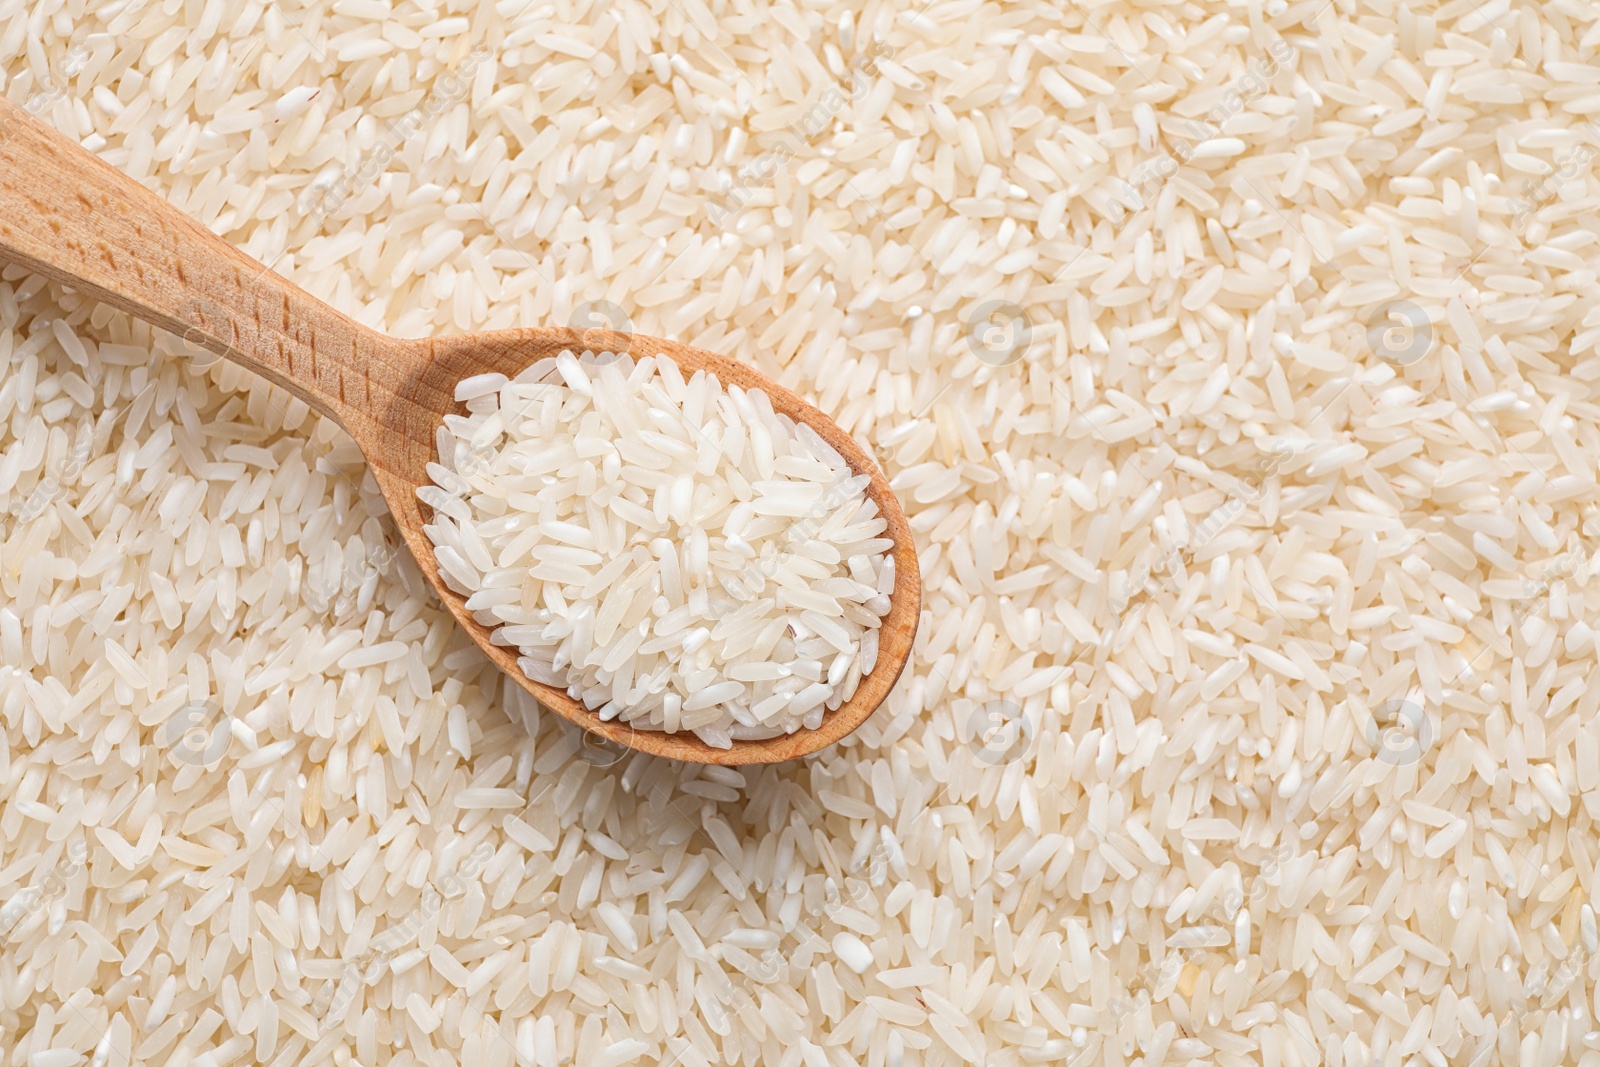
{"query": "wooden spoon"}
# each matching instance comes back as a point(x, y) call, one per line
point(72, 218)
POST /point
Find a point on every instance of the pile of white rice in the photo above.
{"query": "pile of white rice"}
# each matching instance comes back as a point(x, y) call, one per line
point(1252, 718)
point(676, 555)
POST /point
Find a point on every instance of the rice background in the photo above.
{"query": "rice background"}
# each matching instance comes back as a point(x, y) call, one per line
point(1234, 364)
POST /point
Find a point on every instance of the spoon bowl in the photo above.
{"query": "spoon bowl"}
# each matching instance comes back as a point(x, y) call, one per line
point(400, 467)
point(66, 215)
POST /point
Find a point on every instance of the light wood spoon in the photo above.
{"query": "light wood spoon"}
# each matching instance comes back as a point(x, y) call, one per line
point(72, 218)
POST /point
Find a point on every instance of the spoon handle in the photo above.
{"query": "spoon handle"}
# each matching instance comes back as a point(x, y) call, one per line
point(72, 218)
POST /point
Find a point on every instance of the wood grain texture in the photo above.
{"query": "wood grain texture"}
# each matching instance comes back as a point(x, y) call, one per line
point(70, 217)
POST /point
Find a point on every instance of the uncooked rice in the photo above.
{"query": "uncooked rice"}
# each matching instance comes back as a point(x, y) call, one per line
point(676, 555)
point(1318, 786)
